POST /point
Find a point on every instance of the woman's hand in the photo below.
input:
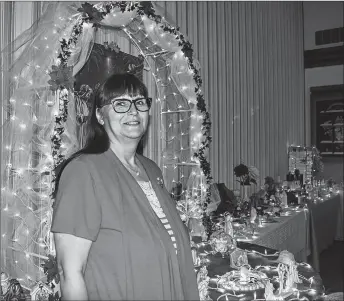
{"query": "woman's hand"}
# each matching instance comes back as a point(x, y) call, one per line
point(72, 253)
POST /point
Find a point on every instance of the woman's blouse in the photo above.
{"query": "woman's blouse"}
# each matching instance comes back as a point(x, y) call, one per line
point(155, 204)
point(132, 256)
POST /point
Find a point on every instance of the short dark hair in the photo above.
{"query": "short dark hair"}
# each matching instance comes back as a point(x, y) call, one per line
point(117, 85)
point(97, 140)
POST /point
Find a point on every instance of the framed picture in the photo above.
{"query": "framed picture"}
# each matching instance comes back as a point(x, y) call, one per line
point(328, 120)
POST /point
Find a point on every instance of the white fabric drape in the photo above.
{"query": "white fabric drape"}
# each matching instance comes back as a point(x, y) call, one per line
point(251, 57)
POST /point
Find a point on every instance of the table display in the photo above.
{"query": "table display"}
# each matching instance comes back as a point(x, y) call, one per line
point(268, 275)
point(259, 251)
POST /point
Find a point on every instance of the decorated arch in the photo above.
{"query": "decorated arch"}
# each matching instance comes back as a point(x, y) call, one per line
point(48, 109)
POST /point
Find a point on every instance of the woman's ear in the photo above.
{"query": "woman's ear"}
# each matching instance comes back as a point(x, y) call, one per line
point(99, 116)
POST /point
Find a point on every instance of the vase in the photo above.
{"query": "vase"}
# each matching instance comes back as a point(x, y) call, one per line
point(245, 193)
point(196, 227)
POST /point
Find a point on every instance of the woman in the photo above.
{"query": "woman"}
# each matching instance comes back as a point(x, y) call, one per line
point(117, 233)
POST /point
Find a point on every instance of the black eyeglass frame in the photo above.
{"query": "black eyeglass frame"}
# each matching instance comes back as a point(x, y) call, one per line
point(148, 99)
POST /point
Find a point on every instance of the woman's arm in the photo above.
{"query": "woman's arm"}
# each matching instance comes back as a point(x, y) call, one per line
point(72, 253)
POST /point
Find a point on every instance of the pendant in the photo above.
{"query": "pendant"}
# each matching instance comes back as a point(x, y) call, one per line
point(160, 181)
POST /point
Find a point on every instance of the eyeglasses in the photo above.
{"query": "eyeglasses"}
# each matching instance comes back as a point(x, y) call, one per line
point(124, 105)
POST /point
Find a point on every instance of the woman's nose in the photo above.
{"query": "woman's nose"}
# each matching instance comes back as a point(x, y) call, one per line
point(133, 109)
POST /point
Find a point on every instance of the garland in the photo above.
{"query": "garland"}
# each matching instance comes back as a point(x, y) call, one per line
point(91, 14)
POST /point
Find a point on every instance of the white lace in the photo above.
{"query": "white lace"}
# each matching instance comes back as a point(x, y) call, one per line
point(155, 204)
point(152, 198)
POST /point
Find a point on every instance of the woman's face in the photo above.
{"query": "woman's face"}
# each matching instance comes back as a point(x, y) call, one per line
point(130, 125)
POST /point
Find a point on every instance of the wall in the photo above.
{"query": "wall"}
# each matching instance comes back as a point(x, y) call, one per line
point(319, 16)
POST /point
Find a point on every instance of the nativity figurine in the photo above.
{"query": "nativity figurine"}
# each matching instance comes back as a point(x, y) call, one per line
point(287, 274)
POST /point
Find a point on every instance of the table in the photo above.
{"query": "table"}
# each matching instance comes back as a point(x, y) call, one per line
point(340, 230)
point(324, 217)
point(290, 232)
point(305, 232)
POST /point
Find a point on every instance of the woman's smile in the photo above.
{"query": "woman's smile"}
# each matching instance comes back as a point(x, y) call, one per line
point(132, 123)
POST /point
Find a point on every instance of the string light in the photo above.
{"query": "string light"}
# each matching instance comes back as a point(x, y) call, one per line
point(184, 147)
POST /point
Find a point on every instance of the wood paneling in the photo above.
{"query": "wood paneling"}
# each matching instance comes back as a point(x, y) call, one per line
point(330, 56)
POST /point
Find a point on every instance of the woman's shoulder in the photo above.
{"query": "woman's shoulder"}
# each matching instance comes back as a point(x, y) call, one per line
point(81, 165)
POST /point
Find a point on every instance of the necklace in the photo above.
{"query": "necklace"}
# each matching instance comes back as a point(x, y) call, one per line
point(137, 172)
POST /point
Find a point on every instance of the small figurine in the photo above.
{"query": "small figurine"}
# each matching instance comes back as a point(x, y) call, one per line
point(238, 258)
point(203, 282)
point(284, 200)
point(15, 292)
point(244, 275)
point(41, 292)
point(287, 273)
point(195, 258)
point(228, 225)
point(269, 293)
point(222, 243)
point(4, 283)
point(253, 215)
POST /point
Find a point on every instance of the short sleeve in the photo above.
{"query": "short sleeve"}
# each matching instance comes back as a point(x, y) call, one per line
point(76, 209)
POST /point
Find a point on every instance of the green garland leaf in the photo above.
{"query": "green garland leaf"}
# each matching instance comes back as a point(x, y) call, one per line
point(61, 76)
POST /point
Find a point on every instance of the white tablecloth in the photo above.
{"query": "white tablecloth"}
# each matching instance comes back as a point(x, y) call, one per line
point(290, 233)
point(340, 230)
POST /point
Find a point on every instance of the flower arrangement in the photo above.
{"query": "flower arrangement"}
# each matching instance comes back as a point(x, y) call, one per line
point(246, 174)
point(270, 185)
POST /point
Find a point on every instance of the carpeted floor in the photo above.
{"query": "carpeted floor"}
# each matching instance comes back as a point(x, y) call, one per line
point(332, 267)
